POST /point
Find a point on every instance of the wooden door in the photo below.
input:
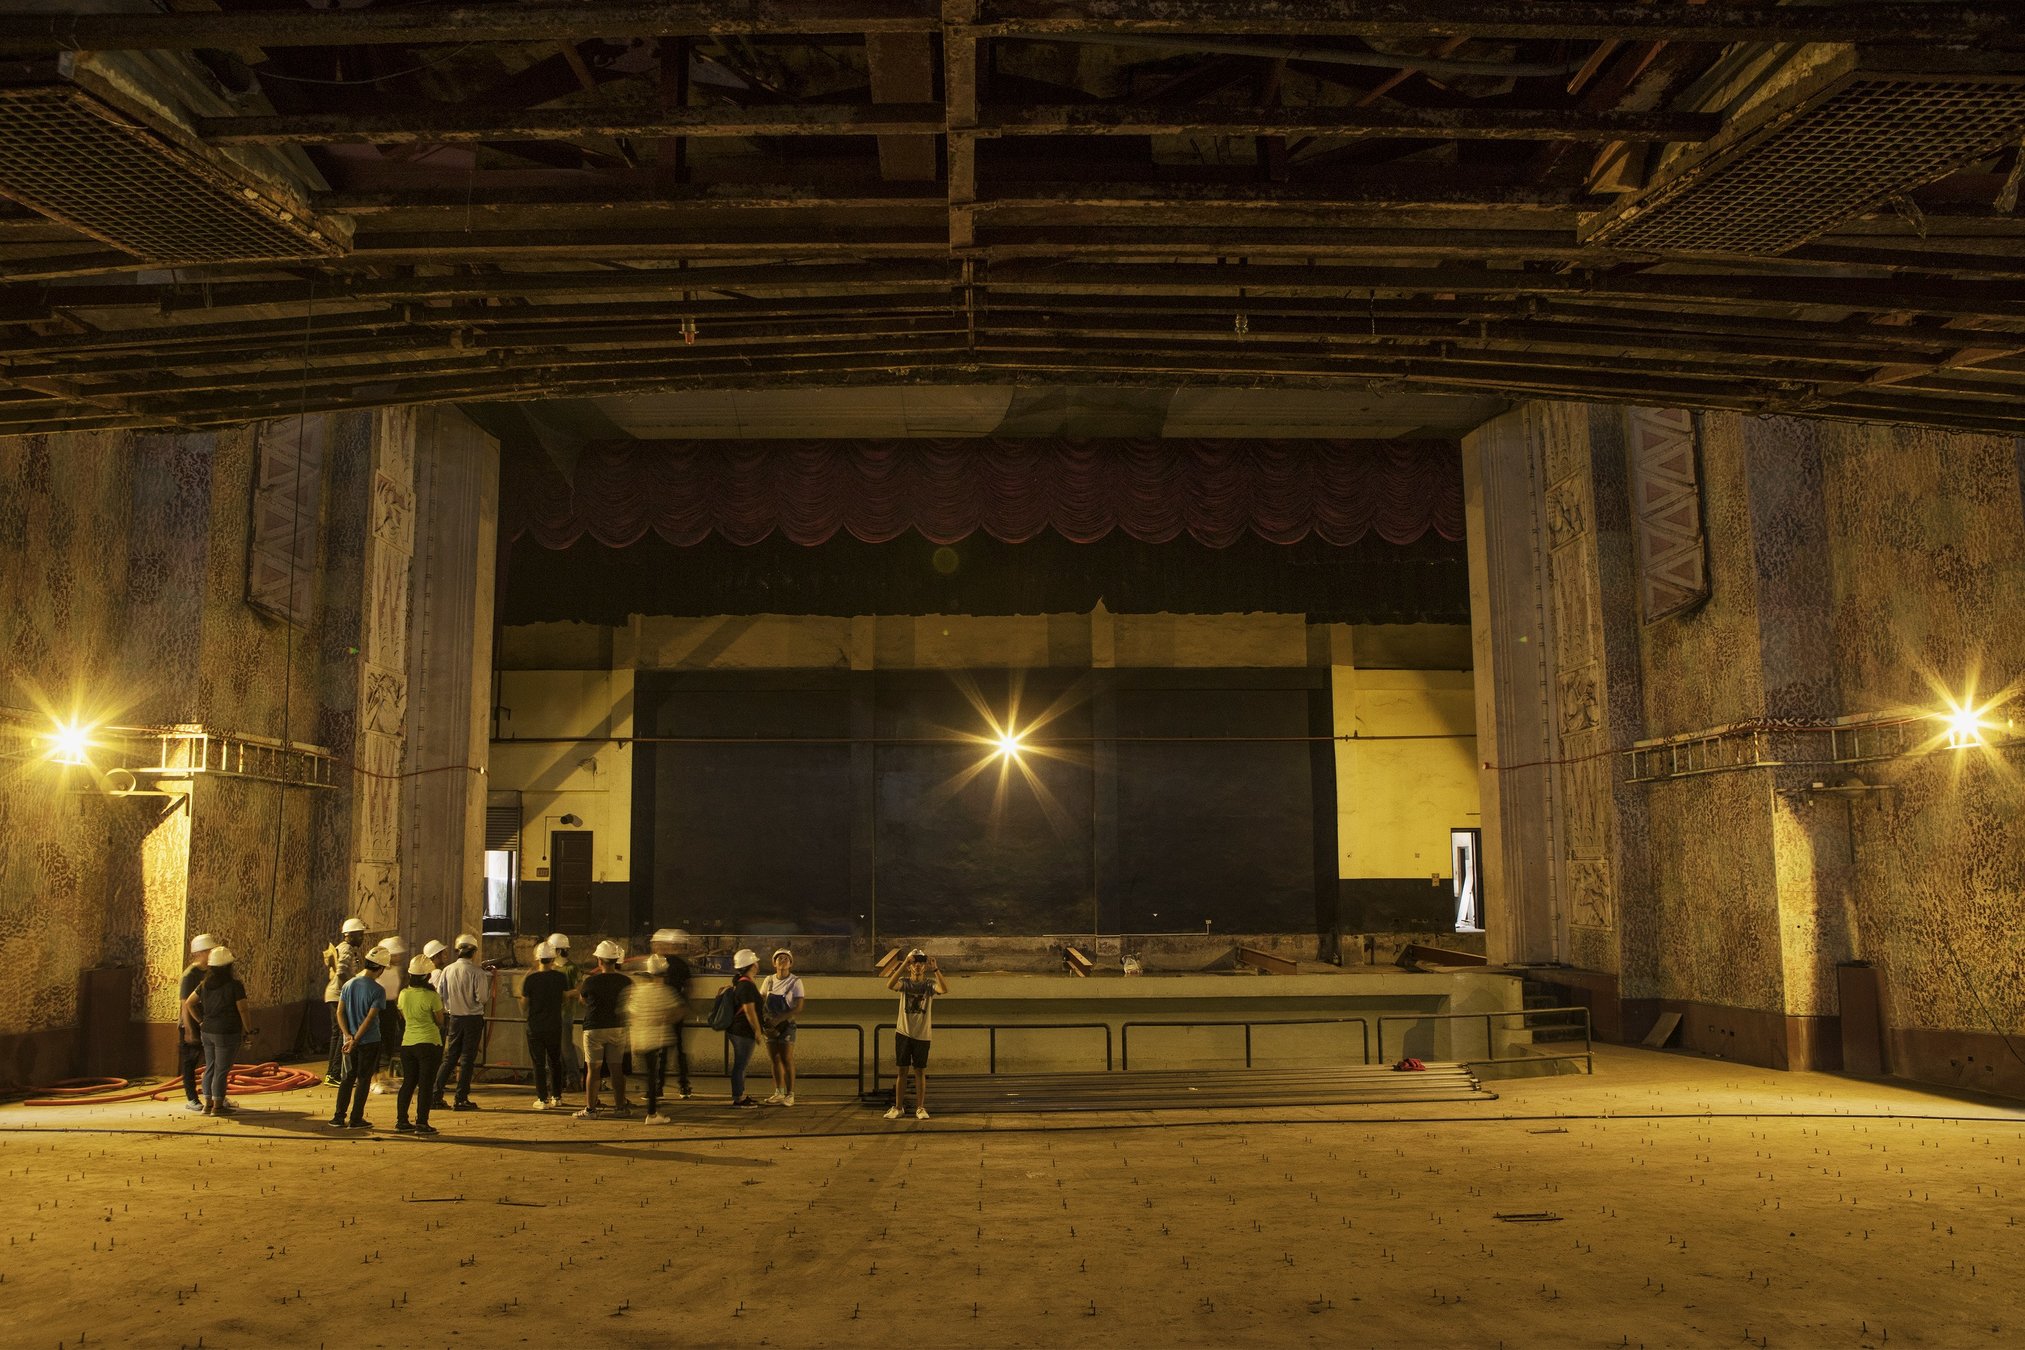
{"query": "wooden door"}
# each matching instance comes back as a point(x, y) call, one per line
point(569, 853)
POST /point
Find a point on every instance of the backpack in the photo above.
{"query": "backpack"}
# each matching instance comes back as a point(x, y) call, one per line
point(724, 1012)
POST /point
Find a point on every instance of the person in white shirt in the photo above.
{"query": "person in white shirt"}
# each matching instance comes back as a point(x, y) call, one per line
point(464, 988)
point(918, 980)
point(780, 999)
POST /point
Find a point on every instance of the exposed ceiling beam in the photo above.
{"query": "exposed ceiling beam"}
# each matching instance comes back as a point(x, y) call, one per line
point(459, 123)
point(554, 20)
point(538, 21)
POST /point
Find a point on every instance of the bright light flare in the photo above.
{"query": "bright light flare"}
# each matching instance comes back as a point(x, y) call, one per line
point(1009, 745)
point(69, 742)
point(1965, 726)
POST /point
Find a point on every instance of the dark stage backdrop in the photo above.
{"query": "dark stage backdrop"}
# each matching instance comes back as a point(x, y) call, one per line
point(1179, 797)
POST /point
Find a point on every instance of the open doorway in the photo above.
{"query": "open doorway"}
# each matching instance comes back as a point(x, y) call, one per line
point(1465, 849)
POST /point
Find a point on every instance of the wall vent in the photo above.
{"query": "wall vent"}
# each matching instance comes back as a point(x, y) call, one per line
point(75, 158)
point(1842, 143)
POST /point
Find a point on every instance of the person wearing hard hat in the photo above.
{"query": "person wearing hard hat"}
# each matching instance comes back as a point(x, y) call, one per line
point(542, 996)
point(573, 1067)
point(463, 987)
point(189, 1041)
point(604, 996)
point(421, 1046)
point(672, 943)
point(359, 1007)
point(650, 1019)
point(218, 1006)
point(745, 1025)
point(392, 980)
point(341, 960)
point(438, 955)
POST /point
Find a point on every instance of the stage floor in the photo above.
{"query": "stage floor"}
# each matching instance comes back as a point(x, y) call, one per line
point(1665, 1201)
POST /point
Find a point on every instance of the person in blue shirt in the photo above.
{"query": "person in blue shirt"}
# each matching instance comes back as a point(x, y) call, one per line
point(359, 1006)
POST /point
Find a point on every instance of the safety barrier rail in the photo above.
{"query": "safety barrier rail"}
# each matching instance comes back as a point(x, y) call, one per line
point(993, 1028)
point(1363, 1028)
point(1587, 1055)
point(856, 1075)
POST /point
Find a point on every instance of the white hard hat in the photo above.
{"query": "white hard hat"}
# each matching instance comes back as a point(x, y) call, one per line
point(433, 948)
point(609, 950)
point(354, 926)
point(466, 940)
point(421, 965)
point(221, 956)
point(378, 957)
point(745, 956)
point(559, 942)
point(203, 942)
point(395, 945)
point(543, 952)
point(657, 964)
point(667, 935)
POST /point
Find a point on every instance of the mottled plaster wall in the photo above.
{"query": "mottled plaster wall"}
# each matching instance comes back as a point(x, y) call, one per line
point(1929, 593)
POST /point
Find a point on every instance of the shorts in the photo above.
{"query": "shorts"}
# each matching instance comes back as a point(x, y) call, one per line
point(781, 1033)
point(597, 1040)
point(910, 1053)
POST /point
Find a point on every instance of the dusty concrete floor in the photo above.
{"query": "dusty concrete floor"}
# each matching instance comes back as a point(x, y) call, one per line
point(1680, 1202)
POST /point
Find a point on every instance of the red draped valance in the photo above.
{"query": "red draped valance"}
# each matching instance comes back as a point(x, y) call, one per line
point(1153, 490)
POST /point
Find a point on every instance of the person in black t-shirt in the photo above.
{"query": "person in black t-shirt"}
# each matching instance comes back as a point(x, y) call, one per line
point(604, 999)
point(218, 1006)
point(672, 943)
point(745, 1029)
point(541, 995)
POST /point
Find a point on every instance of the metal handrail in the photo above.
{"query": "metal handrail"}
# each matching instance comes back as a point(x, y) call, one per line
point(993, 1028)
point(857, 1076)
point(1588, 1055)
point(1363, 1028)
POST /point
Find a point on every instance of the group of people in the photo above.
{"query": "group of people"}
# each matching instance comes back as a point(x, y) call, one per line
point(428, 1014)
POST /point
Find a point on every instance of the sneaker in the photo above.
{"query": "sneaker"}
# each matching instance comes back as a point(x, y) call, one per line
point(540, 1104)
point(921, 1113)
point(623, 1110)
point(746, 1104)
point(684, 1094)
point(226, 1106)
point(438, 1104)
point(462, 1106)
point(403, 1127)
point(775, 1100)
point(656, 1118)
point(379, 1089)
point(590, 1113)
point(330, 1081)
point(358, 1125)
point(788, 1099)
point(425, 1129)
point(193, 1105)
point(555, 1104)
point(334, 1124)
point(892, 1113)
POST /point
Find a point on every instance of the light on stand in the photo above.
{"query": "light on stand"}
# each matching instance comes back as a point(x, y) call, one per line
point(1965, 727)
point(68, 743)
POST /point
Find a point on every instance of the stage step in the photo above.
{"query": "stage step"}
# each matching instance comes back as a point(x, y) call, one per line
point(1189, 1089)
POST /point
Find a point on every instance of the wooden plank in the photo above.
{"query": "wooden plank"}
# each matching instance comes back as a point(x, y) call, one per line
point(1465, 123)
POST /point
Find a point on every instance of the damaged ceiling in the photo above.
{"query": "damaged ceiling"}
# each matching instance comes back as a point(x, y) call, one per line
point(217, 211)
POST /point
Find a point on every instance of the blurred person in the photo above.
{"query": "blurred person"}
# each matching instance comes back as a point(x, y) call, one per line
point(781, 999)
point(422, 1020)
point(359, 1006)
point(542, 996)
point(918, 980)
point(573, 1066)
point(190, 1041)
point(673, 943)
point(650, 1019)
point(341, 959)
point(603, 993)
point(218, 1006)
point(463, 987)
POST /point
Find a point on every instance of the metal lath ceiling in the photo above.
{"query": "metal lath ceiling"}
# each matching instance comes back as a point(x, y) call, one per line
point(1856, 142)
point(75, 159)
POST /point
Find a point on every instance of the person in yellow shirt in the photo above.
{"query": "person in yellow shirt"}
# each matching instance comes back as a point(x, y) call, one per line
point(422, 1021)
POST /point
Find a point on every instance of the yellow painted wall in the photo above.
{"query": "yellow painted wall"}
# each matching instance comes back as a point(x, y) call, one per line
point(553, 777)
point(1396, 800)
